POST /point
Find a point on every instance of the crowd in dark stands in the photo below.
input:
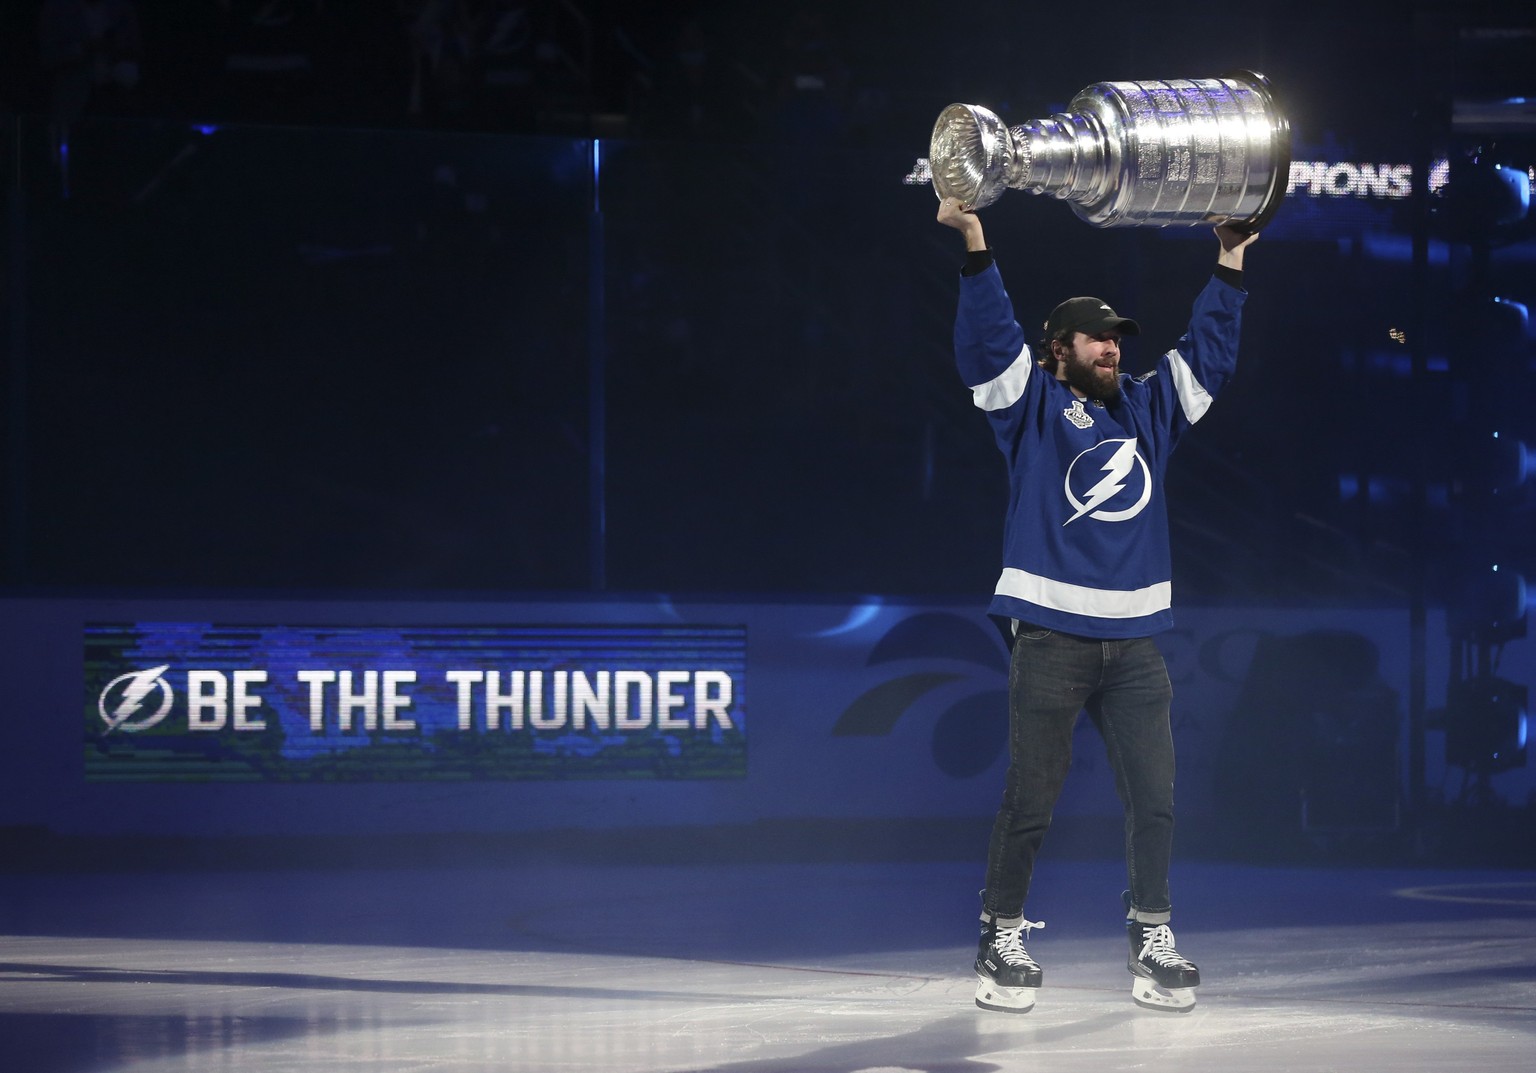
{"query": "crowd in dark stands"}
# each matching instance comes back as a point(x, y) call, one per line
point(568, 67)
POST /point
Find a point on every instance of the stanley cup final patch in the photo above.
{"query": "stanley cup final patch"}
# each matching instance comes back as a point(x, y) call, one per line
point(1077, 415)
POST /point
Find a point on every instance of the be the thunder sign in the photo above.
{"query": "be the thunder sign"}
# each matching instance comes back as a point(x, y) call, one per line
point(172, 701)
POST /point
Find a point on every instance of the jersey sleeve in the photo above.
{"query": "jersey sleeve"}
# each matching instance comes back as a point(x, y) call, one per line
point(1193, 373)
point(991, 354)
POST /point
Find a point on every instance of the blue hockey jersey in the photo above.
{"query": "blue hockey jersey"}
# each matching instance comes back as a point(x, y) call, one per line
point(1085, 546)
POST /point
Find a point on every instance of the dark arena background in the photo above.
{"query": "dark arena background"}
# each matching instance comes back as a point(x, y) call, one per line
point(496, 549)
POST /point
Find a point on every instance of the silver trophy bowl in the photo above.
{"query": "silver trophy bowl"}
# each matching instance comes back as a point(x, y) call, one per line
point(1129, 154)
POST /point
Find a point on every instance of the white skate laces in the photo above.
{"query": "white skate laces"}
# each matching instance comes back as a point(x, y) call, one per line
point(1009, 944)
point(1157, 947)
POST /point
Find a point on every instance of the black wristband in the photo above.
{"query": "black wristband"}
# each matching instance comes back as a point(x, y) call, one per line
point(976, 262)
point(1232, 277)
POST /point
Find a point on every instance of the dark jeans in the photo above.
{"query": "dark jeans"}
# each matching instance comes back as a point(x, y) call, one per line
point(1123, 686)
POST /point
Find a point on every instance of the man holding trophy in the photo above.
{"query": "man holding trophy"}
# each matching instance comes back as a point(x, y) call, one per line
point(1085, 583)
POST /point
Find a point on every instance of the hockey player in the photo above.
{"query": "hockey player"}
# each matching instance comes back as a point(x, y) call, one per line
point(1085, 585)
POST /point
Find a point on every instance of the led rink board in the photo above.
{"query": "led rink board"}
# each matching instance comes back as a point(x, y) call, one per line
point(180, 701)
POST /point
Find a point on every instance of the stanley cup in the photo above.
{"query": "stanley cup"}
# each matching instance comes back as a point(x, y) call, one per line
point(1129, 154)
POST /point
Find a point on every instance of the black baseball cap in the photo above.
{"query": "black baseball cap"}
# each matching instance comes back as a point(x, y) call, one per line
point(1089, 316)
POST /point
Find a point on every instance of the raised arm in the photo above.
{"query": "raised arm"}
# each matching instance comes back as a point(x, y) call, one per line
point(1233, 243)
point(953, 214)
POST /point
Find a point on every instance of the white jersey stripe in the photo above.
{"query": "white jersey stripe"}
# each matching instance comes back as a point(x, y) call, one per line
point(1003, 391)
point(1082, 600)
point(1192, 396)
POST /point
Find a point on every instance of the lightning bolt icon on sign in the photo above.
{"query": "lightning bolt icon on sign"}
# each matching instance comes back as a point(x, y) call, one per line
point(135, 692)
point(136, 687)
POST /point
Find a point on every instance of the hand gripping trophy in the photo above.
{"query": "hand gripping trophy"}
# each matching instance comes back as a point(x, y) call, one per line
point(1182, 152)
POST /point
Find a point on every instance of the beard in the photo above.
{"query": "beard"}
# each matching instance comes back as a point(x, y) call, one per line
point(1092, 381)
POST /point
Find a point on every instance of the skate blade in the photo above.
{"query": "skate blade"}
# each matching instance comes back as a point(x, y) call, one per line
point(989, 996)
point(1167, 999)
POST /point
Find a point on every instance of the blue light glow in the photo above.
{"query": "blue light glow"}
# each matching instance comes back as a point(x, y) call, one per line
point(1509, 307)
point(597, 171)
point(859, 616)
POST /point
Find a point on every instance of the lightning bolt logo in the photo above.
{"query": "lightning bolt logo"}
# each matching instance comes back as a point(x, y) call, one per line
point(132, 690)
point(1123, 461)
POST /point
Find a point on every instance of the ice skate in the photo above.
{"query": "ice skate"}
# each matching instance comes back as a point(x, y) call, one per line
point(1008, 975)
point(1161, 978)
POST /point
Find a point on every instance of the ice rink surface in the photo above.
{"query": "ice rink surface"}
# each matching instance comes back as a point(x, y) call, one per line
point(756, 968)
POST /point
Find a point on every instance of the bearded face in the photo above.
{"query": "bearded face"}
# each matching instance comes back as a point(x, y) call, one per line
point(1091, 364)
